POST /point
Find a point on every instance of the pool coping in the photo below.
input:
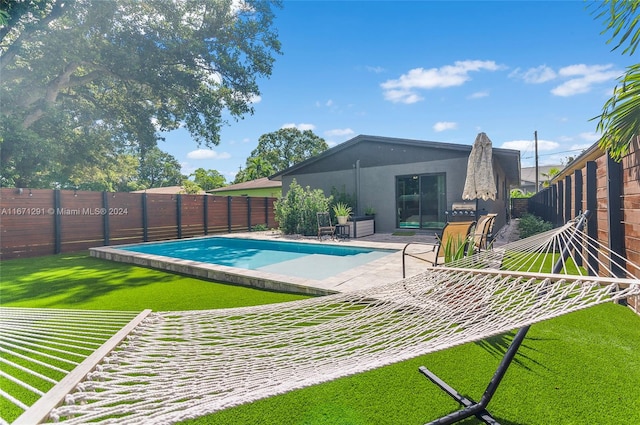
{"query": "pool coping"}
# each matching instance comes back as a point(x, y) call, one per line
point(373, 273)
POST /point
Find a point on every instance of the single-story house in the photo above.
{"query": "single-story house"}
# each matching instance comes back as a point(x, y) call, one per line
point(411, 184)
point(259, 187)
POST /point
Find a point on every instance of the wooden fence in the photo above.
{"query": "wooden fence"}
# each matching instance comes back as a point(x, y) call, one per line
point(609, 189)
point(35, 222)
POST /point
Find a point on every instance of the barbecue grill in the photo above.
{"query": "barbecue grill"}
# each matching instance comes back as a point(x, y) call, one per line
point(462, 211)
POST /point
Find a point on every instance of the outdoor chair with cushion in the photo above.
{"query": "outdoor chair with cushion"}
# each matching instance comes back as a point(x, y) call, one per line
point(324, 225)
point(451, 245)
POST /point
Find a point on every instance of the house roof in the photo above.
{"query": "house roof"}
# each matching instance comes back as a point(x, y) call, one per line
point(167, 190)
point(509, 158)
point(528, 174)
point(262, 183)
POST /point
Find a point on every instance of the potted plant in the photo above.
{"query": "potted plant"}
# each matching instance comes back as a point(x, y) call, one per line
point(370, 211)
point(342, 211)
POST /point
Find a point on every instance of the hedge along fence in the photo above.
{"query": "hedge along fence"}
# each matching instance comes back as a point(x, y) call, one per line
point(37, 222)
point(610, 190)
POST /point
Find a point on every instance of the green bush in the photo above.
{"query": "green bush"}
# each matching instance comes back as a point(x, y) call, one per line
point(296, 211)
point(530, 224)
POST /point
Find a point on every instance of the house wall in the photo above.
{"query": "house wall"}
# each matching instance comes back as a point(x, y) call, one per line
point(377, 185)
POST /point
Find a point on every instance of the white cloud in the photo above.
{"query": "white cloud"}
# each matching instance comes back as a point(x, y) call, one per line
point(301, 126)
point(537, 75)
point(339, 132)
point(479, 94)
point(529, 145)
point(375, 69)
point(583, 78)
point(589, 136)
point(580, 146)
point(444, 125)
point(403, 89)
point(207, 154)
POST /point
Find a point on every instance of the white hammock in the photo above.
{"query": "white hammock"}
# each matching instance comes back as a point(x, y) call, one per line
point(180, 365)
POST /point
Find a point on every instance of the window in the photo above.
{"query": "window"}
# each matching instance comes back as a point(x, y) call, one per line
point(421, 201)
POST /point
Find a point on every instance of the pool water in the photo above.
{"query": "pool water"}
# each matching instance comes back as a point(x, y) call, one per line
point(305, 260)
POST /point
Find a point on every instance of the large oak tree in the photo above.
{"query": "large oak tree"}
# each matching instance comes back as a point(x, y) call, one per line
point(79, 75)
point(279, 150)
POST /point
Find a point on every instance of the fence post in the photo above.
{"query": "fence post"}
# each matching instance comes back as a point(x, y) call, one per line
point(578, 193)
point(567, 198)
point(205, 211)
point(179, 214)
point(614, 213)
point(553, 204)
point(57, 224)
point(105, 218)
point(249, 213)
point(560, 202)
point(145, 220)
point(592, 205)
point(229, 214)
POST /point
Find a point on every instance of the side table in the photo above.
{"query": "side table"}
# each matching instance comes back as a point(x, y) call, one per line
point(343, 231)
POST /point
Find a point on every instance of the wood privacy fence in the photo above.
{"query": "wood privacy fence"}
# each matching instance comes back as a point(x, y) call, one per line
point(37, 222)
point(609, 189)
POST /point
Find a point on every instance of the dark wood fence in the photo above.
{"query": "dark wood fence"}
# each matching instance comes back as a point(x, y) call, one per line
point(37, 222)
point(609, 189)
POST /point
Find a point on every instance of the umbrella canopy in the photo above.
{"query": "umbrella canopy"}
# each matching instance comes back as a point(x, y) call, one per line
point(480, 183)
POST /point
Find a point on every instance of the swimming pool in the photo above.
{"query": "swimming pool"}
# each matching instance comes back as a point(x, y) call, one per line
point(304, 260)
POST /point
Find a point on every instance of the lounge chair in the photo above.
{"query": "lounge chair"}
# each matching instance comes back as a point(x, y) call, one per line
point(324, 225)
point(482, 233)
point(455, 238)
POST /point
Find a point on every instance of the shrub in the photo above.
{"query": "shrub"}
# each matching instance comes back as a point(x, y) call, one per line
point(296, 211)
point(530, 224)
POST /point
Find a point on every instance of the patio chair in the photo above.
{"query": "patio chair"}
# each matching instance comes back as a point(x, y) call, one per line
point(324, 225)
point(482, 233)
point(455, 238)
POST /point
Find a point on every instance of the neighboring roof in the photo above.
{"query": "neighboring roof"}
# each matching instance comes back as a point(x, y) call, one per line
point(168, 190)
point(509, 158)
point(528, 174)
point(262, 183)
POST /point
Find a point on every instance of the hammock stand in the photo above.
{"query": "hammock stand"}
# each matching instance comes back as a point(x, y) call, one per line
point(479, 409)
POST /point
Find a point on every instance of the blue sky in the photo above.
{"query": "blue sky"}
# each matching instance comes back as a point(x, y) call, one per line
point(428, 70)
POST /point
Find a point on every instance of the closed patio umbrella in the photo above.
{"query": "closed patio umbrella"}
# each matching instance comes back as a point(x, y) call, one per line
point(480, 183)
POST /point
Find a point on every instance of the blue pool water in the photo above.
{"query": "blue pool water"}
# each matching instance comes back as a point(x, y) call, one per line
point(306, 260)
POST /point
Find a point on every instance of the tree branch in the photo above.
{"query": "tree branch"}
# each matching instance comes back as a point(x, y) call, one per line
point(59, 7)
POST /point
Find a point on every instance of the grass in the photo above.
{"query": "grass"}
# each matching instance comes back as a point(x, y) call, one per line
point(581, 368)
point(82, 282)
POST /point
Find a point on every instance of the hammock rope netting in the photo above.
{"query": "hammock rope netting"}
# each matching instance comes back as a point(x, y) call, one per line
point(179, 365)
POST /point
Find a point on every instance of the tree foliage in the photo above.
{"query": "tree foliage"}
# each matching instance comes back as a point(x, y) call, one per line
point(619, 121)
point(257, 168)
point(78, 75)
point(208, 179)
point(159, 169)
point(288, 146)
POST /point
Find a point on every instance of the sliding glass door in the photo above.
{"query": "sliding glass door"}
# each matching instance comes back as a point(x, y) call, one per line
point(421, 201)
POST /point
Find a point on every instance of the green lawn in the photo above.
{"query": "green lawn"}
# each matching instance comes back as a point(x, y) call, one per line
point(581, 368)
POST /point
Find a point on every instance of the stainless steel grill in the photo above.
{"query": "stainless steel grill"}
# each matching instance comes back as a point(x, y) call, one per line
point(462, 211)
